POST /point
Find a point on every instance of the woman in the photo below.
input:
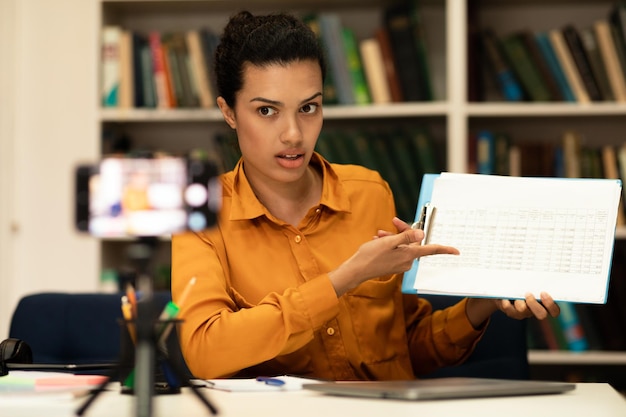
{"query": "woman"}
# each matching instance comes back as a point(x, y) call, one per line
point(291, 281)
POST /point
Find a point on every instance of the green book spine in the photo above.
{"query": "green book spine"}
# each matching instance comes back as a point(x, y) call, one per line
point(355, 67)
point(522, 64)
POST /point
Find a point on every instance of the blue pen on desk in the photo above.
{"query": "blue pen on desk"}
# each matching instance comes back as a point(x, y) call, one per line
point(271, 381)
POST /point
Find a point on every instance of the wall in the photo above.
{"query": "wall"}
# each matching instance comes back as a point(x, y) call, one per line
point(48, 104)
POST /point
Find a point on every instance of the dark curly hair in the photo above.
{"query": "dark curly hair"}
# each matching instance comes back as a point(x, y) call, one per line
point(261, 40)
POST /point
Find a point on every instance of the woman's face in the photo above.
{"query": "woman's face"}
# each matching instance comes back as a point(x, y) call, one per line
point(278, 118)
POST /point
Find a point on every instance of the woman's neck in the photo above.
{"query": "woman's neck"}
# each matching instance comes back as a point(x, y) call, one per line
point(291, 201)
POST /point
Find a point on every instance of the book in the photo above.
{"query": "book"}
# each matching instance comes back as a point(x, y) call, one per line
point(581, 60)
point(617, 19)
point(395, 89)
point(485, 152)
point(572, 329)
point(529, 40)
point(360, 89)
point(126, 98)
point(503, 75)
point(374, 68)
point(143, 83)
point(163, 97)
point(200, 72)
point(209, 42)
point(566, 61)
point(400, 23)
point(332, 41)
point(110, 65)
point(596, 63)
point(608, 51)
point(552, 62)
point(180, 56)
point(572, 154)
point(502, 146)
point(524, 67)
point(611, 171)
point(531, 237)
point(170, 70)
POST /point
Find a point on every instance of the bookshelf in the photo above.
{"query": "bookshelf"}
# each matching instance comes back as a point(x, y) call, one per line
point(451, 116)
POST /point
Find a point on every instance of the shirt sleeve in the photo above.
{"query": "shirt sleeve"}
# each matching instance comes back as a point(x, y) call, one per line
point(220, 335)
point(439, 338)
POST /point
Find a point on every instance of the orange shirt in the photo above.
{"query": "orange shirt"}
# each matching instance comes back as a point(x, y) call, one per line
point(263, 303)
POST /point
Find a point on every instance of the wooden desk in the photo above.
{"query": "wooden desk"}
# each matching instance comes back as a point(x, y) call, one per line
point(588, 399)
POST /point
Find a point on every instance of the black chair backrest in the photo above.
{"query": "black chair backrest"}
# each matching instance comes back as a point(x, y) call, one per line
point(501, 353)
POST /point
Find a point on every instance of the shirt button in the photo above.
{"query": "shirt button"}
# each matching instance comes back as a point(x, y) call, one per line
point(330, 331)
point(298, 238)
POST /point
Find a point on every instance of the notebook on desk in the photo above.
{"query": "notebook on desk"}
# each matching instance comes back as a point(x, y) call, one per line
point(441, 388)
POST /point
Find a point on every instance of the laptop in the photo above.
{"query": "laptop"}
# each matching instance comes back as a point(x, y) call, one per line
point(440, 388)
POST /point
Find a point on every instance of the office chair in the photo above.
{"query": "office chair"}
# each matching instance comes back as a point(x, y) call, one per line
point(501, 353)
point(72, 328)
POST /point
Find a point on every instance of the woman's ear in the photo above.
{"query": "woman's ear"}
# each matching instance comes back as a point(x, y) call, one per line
point(227, 112)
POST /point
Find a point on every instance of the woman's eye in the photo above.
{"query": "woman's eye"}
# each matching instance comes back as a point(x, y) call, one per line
point(309, 108)
point(266, 111)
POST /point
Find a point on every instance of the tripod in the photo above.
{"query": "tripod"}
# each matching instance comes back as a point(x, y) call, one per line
point(146, 349)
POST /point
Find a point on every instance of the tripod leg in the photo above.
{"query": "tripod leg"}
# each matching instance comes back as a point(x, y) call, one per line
point(181, 376)
point(92, 396)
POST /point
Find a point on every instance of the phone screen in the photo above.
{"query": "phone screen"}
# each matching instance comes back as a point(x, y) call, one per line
point(146, 196)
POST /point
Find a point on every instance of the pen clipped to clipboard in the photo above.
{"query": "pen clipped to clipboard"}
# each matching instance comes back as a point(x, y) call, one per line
point(424, 222)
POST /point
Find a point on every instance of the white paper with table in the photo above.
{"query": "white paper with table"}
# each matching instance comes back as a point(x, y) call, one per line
point(518, 235)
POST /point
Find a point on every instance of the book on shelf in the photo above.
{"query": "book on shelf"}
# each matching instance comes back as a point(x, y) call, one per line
point(533, 159)
point(566, 61)
point(594, 341)
point(110, 65)
point(502, 148)
point(523, 65)
point(209, 42)
point(408, 52)
point(181, 71)
point(374, 69)
point(610, 58)
point(589, 43)
point(170, 69)
point(143, 78)
point(540, 215)
point(331, 35)
point(571, 327)
point(581, 61)
point(617, 19)
point(485, 152)
point(395, 89)
point(529, 40)
point(423, 146)
point(611, 171)
point(504, 77)
point(571, 143)
point(200, 72)
point(164, 100)
point(360, 89)
point(552, 62)
point(126, 93)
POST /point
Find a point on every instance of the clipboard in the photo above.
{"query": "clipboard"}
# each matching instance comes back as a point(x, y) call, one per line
point(426, 191)
point(518, 235)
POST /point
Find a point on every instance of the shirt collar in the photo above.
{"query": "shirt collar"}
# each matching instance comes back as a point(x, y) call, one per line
point(245, 204)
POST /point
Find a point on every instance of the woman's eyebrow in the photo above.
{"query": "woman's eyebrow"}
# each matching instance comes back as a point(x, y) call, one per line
point(279, 103)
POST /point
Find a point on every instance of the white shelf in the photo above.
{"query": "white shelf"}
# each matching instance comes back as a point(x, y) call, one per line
point(505, 109)
point(557, 357)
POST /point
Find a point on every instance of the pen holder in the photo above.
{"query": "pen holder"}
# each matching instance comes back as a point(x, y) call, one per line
point(170, 370)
